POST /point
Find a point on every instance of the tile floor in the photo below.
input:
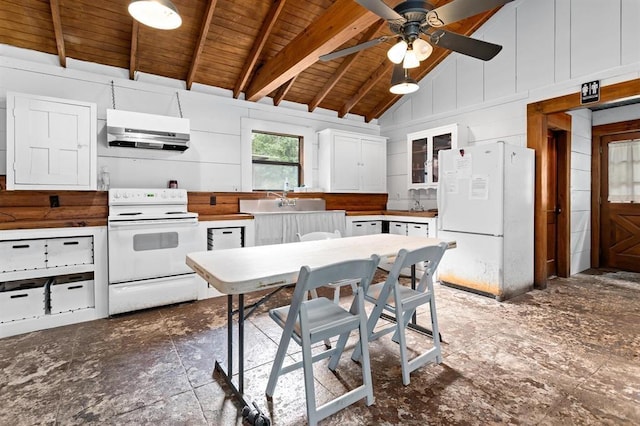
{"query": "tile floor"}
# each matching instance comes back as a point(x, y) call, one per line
point(566, 355)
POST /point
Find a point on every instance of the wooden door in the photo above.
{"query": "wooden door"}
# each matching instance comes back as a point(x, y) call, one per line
point(619, 222)
point(552, 203)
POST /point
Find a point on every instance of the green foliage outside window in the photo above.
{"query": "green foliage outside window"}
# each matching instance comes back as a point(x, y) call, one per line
point(276, 159)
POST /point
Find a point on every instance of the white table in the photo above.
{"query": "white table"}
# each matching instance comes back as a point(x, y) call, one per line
point(244, 270)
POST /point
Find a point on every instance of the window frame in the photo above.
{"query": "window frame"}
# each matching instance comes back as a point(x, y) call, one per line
point(299, 164)
point(249, 125)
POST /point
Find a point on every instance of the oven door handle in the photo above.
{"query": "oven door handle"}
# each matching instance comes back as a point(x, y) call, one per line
point(150, 223)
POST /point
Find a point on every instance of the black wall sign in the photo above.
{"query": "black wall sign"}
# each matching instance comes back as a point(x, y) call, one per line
point(590, 92)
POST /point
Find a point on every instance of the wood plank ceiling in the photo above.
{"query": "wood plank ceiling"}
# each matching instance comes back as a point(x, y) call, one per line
point(253, 48)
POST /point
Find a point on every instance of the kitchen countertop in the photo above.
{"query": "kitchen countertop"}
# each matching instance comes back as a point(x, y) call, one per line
point(393, 213)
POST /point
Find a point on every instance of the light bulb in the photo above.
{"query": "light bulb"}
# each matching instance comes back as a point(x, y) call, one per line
point(422, 49)
point(410, 60)
point(397, 51)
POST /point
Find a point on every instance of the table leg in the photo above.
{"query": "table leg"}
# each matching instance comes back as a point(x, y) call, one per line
point(250, 412)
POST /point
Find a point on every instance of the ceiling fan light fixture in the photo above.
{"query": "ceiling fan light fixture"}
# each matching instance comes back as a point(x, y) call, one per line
point(410, 60)
point(401, 83)
point(422, 49)
point(397, 52)
point(160, 14)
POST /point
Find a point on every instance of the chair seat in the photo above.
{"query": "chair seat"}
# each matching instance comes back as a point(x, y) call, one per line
point(406, 294)
point(322, 313)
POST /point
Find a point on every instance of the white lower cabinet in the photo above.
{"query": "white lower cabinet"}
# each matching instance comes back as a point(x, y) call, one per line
point(51, 277)
point(221, 235)
point(366, 227)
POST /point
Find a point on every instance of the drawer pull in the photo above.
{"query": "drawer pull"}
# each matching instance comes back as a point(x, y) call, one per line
point(70, 243)
point(227, 232)
point(20, 246)
point(15, 296)
point(75, 287)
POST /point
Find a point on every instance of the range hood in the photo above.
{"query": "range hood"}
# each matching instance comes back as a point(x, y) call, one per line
point(140, 130)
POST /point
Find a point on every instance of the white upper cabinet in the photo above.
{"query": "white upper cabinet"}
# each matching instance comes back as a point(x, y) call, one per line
point(51, 143)
point(352, 162)
point(422, 153)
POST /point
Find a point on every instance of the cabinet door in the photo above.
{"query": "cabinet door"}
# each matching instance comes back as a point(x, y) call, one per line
point(53, 144)
point(423, 148)
point(373, 166)
point(345, 164)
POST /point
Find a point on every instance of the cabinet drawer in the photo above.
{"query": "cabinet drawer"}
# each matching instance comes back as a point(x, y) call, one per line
point(418, 229)
point(22, 299)
point(69, 251)
point(368, 227)
point(224, 238)
point(399, 228)
point(20, 255)
point(72, 292)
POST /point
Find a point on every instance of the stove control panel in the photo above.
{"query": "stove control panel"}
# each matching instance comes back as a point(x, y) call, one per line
point(147, 196)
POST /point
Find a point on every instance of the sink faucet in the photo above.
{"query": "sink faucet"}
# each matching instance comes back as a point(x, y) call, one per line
point(283, 200)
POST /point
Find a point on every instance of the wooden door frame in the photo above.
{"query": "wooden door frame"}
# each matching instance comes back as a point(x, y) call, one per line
point(538, 122)
point(597, 133)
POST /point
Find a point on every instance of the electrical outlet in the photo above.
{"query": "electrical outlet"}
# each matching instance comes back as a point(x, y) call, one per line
point(54, 201)
point(212, 200)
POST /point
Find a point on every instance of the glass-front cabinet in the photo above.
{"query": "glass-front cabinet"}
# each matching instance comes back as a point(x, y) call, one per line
point(423, 147)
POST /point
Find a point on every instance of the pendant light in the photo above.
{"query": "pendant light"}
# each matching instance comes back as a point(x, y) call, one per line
point(422, 49)
point(160, 14)
point(410, 59)
point(401, 83)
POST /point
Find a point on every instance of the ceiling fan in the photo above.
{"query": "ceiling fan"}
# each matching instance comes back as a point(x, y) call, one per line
point(411, 19)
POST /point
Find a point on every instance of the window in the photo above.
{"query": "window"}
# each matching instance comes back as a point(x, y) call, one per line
point(276, 159)
point(624, 171)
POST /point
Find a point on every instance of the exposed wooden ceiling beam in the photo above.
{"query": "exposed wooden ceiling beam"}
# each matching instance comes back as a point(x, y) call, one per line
point(344, 66)
point(282, 91)
point(197, 54)
point(133, 56)
point(343, 20)
point(438, 55)
point(258, 45)
point(57, 28)
point(373, 79)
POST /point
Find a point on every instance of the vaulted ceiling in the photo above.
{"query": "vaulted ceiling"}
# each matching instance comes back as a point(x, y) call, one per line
point(253, 48)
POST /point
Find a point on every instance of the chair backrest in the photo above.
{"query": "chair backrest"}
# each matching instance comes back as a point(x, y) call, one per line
point(310, 279)
point(431, 257)
point(319, 235)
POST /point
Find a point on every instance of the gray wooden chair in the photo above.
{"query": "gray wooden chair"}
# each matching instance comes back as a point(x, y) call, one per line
point(402, 301)
point(308, 321)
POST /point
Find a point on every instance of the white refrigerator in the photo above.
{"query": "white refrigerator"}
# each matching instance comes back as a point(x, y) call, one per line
point(485, 205)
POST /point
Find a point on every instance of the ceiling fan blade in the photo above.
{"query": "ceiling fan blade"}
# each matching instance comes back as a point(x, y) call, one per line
point(466, 45)
point(460, 9)
point(381, 9)
point(353, 49)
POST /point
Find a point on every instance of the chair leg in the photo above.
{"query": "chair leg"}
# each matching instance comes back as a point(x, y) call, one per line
point(402, 340)
point(366, 363)
point(309, 388)
point(336, 295)
point(277, 363)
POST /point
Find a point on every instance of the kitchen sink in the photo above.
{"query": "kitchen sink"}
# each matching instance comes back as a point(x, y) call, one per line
point(282, 205)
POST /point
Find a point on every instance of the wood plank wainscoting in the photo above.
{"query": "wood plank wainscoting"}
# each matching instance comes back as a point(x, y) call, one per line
point(58, 209)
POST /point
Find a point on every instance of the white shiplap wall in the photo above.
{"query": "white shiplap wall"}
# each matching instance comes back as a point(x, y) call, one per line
point(213, 162)
point(549, 48)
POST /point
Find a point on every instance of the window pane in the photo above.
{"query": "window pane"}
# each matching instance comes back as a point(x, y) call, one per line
point(624, 171)
point(280, 148)
point(271, 177)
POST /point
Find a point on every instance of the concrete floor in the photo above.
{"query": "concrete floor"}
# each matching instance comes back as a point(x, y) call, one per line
point(566, 355)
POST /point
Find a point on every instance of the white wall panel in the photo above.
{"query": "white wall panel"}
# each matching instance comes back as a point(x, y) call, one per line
point(614, 115)
point(470, 77)
point(421, 103)
point(580, 180)
point(562, 40)
point(535, 44)
point(444, 88)
point(500, 72)
point(580, 221)
point(580, 161)
point(595, 36)
point(630, 27)
point(580, 261)
point(580, 200)
point(397, 165)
